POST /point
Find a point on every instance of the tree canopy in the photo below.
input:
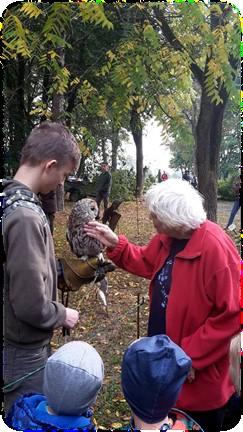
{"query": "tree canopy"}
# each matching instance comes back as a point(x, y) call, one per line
point(106, 68)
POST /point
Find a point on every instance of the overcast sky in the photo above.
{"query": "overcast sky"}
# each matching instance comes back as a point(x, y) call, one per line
point(155, 155)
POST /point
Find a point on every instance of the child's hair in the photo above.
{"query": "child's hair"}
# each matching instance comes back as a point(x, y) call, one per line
point(235, 363)
point(50, 140)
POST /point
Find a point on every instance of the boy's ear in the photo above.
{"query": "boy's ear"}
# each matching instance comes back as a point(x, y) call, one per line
point(50, 164)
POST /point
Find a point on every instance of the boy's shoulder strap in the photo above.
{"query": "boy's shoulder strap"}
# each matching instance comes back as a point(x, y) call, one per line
point(19, 198)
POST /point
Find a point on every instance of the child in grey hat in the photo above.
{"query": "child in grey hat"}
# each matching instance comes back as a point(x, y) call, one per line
point(73, 377)
point(153, 372)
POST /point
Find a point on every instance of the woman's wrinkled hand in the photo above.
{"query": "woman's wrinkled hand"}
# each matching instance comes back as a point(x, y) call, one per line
point(102, 233)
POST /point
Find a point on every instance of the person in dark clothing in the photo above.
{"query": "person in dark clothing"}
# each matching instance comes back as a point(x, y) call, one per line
point(194, 182)
point(103, 187)
point(236, 205)
point(49, 205)
point(186, 176)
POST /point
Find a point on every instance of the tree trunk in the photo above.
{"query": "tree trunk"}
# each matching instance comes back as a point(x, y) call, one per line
point(209, 126)
point(115, 144)
point(15, 106)
point(58, 98)
point(70, 105)
point(81, 170)
point(58, 116)
point(137, 133)
point(208, 139)
point(103, 149)
point(45, 88)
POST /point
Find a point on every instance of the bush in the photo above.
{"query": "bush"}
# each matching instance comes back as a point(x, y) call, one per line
point(149, 181)
point(123, 185)
point(226, 189)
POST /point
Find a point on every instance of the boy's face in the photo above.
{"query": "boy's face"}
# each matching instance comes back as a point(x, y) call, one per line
point(54, 175)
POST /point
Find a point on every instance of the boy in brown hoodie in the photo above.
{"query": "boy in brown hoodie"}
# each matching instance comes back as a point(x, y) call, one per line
point(31, 309)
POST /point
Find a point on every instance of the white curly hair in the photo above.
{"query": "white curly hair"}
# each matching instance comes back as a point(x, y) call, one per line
point(177, 204)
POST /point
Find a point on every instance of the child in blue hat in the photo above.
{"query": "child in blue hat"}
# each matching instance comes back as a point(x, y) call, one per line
point(153, 372)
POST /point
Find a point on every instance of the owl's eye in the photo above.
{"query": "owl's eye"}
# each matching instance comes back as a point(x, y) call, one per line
point(92, 208)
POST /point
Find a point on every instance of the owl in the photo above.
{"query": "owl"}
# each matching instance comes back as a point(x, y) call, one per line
point(81, 244)
point(84, 246)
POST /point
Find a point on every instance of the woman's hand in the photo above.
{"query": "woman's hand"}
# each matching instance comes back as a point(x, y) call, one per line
point(191, 375)
point(102, 233)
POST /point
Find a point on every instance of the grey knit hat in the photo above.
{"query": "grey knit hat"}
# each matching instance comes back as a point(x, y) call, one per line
point(72, 378)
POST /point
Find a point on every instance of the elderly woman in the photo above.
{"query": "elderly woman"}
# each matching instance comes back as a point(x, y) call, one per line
point(193, 267)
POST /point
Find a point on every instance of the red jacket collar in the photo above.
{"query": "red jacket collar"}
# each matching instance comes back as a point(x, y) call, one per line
point(193, 248)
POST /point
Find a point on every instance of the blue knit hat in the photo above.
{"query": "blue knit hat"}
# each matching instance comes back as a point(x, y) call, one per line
point(153, 371)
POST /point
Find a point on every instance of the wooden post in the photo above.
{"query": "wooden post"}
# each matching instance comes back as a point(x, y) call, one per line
point(138, 232)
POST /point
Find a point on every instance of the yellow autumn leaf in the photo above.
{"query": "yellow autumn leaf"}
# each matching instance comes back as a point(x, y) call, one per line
point(116, 425)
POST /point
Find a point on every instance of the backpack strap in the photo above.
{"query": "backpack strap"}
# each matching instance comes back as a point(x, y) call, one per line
point(22, 199)
point(13, 200)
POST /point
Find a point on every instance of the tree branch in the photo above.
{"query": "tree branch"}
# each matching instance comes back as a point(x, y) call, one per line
point(174, 42)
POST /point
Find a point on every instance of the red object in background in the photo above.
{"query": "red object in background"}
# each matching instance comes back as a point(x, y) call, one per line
point(164, 176)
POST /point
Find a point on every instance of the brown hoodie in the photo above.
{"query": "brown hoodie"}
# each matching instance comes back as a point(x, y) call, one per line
point(31, 310)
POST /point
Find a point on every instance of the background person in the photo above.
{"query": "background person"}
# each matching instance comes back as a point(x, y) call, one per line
point(103, 186)
point(153, 372)
point(186, 176)
point(189, 283)
point(164, 176)
point(194, 182)
point(72, 379)
point(31, 309)
point(49, 205)
point(236, 205)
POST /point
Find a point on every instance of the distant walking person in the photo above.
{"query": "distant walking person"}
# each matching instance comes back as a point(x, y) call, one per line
point(103, 186)
point(164, 176)
point(194, 182)
point(186, 176)
point(236, 204)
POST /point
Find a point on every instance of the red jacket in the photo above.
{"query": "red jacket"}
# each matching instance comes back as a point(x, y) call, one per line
point(203, 310)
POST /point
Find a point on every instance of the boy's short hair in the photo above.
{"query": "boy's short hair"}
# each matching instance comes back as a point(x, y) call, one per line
point(50, 140)
point(73, 377)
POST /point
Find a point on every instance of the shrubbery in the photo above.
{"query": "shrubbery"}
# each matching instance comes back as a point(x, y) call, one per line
point(149, 181)
point(226, 189)
point(124, 184)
